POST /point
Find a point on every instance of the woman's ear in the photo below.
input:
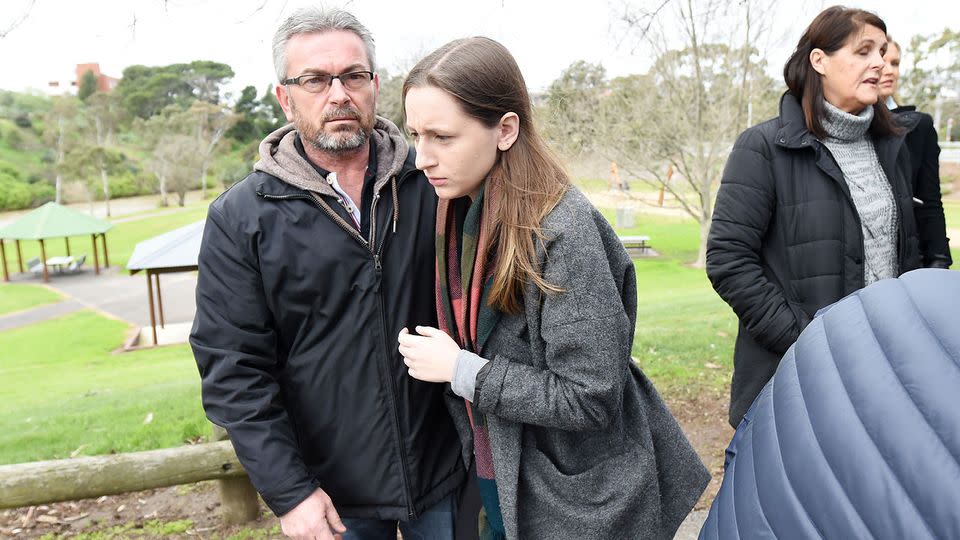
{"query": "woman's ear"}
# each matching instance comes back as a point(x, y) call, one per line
point(817, 59)
point(507, 131)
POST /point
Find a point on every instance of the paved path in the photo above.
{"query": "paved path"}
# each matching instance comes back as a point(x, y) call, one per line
point(37, 314)
point(690, 528)
point(114, 293)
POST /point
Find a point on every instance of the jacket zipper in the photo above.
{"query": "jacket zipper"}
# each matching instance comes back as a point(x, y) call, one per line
point(392, 391)
point(411, 513)
point(856, 215)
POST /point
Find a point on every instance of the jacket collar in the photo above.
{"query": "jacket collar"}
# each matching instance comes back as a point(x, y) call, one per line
point(793, 132)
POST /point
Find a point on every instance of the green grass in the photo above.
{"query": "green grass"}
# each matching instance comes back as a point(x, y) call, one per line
point(27, 160)
point(685, 332)
point(951, 211)
point(71, 393)
point(121, 239)
point(153, 528)
point(17, 297)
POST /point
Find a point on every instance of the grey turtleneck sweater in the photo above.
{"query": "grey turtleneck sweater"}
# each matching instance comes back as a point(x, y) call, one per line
point(872, 195)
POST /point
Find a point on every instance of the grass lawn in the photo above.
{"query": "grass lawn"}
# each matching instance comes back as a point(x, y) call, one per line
point(17, 297)
point(951, 211)
point(71, 395)
point(685, 332)
point(121, 239)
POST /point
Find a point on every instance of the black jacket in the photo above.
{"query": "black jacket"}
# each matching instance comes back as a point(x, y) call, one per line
point(921, 140)
point(296, 336)
point(786, 239)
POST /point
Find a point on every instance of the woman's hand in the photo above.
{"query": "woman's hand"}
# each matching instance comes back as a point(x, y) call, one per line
point(429, 357)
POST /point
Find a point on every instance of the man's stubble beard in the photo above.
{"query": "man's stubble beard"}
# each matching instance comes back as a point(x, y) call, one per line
point(333, 143)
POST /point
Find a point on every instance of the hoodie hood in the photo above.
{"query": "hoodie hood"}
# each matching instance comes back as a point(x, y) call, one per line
point(279, 158)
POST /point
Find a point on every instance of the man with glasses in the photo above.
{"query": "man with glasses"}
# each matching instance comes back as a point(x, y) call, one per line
point(309, 269)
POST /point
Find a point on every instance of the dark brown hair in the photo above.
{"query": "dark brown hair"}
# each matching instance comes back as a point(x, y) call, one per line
point(829, 32)
point(483, 77)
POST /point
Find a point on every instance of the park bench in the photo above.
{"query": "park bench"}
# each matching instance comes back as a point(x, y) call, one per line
point(637, 243)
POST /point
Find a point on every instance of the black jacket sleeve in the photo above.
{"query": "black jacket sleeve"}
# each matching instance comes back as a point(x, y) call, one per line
point(931, 225)
point(234, 344)
point(744, 206)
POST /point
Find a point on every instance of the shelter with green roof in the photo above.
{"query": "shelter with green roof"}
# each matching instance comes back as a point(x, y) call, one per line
point(53, 220)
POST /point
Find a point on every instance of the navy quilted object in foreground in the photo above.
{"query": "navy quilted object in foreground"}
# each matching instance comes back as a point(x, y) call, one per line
point(858, 433)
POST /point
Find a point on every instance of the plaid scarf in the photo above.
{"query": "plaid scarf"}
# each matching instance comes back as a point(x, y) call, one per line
point(464, 313)
point(462, 300)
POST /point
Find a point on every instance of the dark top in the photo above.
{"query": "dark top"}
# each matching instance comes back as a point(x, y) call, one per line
point(921, 140)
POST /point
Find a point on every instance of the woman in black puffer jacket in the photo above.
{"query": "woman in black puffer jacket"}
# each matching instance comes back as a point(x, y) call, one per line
point(921, 140)
point(814, 204)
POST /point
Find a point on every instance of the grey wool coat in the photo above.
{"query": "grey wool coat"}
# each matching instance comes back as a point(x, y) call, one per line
point(583, 446)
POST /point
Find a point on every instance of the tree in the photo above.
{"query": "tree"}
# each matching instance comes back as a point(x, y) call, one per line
point(62, 123)
point(177, 155)
point(388, 104)
point(89, 163)
point(932, 80)
point(153, 133)
point(88, 85)
point(106, 114)
point(685, 114)
point(145, 91)
point(571, 103)
point(209, 123)
point(256, 117)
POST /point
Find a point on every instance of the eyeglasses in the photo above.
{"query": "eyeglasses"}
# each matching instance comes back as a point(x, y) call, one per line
point(316, 82)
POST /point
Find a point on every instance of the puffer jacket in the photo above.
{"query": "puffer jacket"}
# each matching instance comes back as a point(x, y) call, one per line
point(858, 433)
point(295, 335)
point(786, 239)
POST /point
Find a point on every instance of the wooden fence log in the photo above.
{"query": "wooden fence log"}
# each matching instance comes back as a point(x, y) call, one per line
point(239, 502)
point(42, 482)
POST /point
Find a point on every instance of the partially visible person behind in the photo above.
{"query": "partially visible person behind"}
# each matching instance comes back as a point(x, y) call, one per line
point(815, 203)
point(921, 140)
point(308, 268)
point(857, 436)
point(536, 300)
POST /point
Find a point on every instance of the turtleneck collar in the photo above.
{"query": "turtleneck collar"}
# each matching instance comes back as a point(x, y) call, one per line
point(843, 126)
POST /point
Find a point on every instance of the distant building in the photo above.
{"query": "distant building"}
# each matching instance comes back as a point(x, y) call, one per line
point(105, 83)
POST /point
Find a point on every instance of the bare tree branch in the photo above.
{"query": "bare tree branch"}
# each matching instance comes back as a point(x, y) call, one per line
point(18, 22)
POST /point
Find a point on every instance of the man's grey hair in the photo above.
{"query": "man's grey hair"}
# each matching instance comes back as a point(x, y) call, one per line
point(316, 20)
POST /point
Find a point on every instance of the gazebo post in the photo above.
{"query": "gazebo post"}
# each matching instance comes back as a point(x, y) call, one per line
point(43, 261)
point(106, 258)
point(159, 299)
point(67, 240)
point(19, 256)
point(3, 255)
point(96, 258)
point(153, 319)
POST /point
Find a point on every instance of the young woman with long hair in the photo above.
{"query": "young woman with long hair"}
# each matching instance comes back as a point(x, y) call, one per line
point(536, 302)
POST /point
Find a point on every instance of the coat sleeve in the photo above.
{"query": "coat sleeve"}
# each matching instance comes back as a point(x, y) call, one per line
point(586, 335)
point(235, 346)
point(931, 224)
point(744, 207)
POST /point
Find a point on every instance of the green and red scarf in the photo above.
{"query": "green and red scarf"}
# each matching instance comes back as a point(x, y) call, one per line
point(465, 272)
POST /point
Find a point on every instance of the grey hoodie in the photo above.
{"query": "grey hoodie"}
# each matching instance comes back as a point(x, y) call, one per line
point(280, 158)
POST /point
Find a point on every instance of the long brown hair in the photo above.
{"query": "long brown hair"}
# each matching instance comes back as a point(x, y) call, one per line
point(484, 78)
point(829, 32)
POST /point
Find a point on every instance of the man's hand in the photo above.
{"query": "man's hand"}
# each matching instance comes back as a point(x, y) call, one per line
point(314, 517)
point(430, 356)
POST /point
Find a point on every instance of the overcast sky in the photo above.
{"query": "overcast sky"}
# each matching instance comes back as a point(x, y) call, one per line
point(545, 36)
